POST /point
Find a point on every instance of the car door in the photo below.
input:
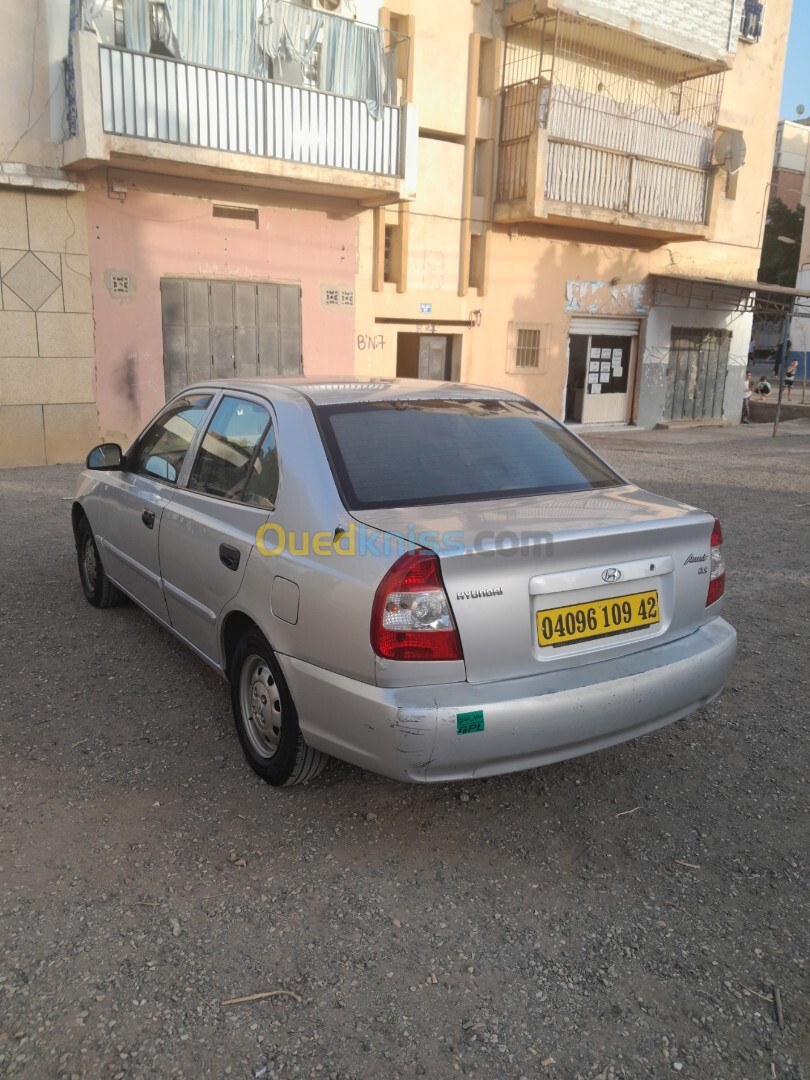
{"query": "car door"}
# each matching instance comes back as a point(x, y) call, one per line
point(209, 528)
point(133, 501)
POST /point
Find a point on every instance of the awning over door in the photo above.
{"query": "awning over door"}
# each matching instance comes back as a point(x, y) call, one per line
point(768, 301)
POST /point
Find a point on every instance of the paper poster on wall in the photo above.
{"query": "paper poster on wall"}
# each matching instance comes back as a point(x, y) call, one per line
point(593, 365)
point(618, 371)
point(596, 354)
point(604, 377)
point(596, 389)
point(606, 354)
point(605, 367)
point(593, 378)
point(617, 356)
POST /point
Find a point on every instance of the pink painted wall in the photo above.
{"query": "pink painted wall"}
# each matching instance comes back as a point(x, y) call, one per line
point(154, 235)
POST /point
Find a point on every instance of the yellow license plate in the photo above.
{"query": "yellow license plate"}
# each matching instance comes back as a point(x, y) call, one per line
point(599, 618)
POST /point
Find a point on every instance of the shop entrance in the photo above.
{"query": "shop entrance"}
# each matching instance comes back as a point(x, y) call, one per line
point(601, 361)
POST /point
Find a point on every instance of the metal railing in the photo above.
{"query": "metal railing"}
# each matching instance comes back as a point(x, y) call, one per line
point(145, 96)
point(593, 176)
point(627, 128)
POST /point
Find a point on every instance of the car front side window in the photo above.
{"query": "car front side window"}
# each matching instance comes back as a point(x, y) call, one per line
point(162, 448)
point(227, 454)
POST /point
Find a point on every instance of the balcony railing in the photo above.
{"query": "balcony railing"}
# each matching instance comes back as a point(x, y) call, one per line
point(594, 121)
point(591, 176)
point(144, 96)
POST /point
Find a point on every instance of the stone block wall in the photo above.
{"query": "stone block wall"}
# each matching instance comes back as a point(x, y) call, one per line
point(47, 385)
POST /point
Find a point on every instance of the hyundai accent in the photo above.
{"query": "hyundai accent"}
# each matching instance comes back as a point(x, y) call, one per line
point(433, 581)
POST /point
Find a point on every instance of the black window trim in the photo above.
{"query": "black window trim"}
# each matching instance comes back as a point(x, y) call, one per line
point(321, 410)
point(188, 465)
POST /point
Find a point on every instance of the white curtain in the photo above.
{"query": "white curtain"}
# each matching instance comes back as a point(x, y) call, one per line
point(353, 62)
point(287, 32)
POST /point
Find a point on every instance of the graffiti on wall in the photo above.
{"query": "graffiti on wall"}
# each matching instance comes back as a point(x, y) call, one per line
point(605, 298)
point(370, 342)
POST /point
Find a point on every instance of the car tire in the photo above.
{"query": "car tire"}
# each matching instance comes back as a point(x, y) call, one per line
point(265, 716)
point(98, 588)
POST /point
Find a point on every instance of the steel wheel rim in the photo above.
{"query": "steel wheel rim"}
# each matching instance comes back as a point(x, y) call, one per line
point(260, 703)
point(90, 563)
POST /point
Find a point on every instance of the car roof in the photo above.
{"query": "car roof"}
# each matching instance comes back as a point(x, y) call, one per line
point(333, 391)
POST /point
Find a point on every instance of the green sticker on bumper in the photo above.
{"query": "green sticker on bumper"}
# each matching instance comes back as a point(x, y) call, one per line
point(469, 722)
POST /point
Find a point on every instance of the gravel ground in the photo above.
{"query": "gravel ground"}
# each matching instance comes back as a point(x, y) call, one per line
point(624, 915)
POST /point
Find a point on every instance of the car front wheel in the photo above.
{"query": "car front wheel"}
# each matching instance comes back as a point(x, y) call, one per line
point(266, 718)
point(98, 588)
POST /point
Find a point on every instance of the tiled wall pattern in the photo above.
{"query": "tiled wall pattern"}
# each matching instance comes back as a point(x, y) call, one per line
point(47, 394)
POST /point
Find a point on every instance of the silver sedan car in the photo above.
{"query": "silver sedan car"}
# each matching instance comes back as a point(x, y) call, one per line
point(433, 581)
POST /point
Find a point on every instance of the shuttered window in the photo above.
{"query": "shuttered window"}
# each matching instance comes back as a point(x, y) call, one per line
point(228, 329)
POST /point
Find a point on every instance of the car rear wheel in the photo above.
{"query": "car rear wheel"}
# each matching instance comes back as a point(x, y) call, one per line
point(98, 588)
point(266, 718)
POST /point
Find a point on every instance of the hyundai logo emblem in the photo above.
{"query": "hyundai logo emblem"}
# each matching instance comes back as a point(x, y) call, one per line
point(611, 575)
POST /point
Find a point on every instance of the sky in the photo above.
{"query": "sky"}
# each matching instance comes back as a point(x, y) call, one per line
point(796, 87)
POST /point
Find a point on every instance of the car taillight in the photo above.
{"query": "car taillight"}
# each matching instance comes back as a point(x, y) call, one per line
point(411, 617)
point(717, 581)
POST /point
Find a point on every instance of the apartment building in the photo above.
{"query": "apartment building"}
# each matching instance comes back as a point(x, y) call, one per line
point(562, 200)
point(800, 324)
point(791, 161)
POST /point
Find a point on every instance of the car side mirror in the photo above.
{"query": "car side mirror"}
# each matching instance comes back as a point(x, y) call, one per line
point(106, 456)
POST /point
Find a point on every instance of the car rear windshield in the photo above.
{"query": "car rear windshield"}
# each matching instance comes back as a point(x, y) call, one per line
point(420, 452)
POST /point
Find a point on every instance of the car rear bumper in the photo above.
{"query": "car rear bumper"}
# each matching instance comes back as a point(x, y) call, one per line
point(412, 733)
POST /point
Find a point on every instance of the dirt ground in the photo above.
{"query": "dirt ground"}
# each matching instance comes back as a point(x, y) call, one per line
point(625, 915)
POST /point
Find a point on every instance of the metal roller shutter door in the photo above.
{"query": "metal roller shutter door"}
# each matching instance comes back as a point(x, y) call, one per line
point(604, 327)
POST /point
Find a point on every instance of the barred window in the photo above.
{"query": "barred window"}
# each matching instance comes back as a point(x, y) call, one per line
point(528, 351)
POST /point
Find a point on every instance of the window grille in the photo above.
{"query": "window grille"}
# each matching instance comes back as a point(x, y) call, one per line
point(528, 348)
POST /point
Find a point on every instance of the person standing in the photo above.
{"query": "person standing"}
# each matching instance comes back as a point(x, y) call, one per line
point(777, 360)
point(748, 389)
point(790, 375)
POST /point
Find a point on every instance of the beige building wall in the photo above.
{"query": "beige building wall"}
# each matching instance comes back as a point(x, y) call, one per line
point(531, 267)
point(525, 273)
point(750, 104)
point(47, 410)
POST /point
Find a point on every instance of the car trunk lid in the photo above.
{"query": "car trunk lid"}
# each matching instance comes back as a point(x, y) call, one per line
point(509, 564)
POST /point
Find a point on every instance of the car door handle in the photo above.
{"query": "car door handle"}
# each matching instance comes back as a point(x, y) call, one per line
point(229, 556)
point(148, 518)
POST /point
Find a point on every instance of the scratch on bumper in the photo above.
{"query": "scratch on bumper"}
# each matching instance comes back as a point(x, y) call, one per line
point(410, 733)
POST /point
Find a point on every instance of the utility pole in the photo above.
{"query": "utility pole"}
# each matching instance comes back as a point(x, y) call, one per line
point(788, 317)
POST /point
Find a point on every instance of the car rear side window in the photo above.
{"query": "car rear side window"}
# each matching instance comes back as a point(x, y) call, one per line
point(228, 457)
point(262, 486)
point(419, 452)
point(162, 448)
